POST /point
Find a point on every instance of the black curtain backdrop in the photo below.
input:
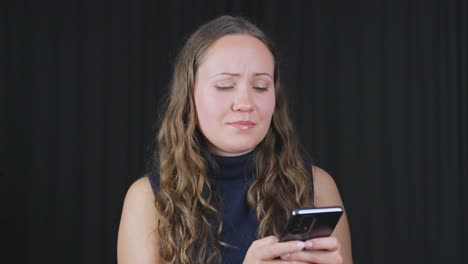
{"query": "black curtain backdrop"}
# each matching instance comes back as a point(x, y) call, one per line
point(377, 89)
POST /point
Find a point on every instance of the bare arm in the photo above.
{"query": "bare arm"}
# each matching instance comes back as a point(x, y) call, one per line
point(327, 194)
point(137, 239)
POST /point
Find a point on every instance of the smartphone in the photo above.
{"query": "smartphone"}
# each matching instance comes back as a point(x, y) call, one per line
point(308, 223)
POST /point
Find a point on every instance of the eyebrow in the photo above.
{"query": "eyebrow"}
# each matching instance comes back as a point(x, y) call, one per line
point(238, 74)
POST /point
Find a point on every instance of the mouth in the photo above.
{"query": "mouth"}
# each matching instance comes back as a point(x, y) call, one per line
point(242, 124)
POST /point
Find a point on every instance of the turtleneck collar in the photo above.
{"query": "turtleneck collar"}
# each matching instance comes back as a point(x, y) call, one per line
point(232, 168)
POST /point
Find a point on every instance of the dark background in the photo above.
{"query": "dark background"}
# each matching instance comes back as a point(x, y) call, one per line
point(377, 89)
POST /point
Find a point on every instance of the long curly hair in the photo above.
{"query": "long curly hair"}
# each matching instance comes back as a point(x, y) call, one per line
point(184, 202)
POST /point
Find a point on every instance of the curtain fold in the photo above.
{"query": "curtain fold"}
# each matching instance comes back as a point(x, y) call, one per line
point(377, 89)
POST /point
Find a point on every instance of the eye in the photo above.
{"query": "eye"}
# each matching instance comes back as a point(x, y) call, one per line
point(224, 87)
point(260, 88)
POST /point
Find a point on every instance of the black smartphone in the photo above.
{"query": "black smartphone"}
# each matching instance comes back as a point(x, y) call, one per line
point(307, 223)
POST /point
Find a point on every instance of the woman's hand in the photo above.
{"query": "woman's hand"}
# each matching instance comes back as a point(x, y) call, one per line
point(269, 250)
point(324, 250)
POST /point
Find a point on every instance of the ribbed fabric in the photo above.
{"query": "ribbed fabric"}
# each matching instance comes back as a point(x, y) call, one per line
point(230, 181)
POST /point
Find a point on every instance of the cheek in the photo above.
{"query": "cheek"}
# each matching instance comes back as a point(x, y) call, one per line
point(267, 107)
point(209, 108)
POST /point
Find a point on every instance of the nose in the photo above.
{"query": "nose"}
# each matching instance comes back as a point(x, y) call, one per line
point(242, 102)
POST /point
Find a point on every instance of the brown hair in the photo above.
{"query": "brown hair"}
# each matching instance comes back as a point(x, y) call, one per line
point(184, 200)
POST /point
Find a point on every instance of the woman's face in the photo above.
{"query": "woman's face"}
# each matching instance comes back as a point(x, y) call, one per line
point(235, 94)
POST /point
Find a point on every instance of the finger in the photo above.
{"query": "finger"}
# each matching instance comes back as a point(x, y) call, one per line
point(278, 249)
point(269, 240)
point(279, 261)
point(320, 256)
point(323, 243)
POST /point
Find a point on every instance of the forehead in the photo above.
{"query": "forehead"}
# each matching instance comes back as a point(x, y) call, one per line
point(238, 53)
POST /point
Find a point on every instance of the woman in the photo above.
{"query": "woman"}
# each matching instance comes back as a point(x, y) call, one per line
point(229, 170)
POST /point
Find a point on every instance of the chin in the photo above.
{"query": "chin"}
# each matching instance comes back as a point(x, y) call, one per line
point(242, 149)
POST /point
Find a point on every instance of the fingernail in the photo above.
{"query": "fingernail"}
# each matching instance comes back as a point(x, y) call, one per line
point(300, 244)
point(308, 244)
point(285, 256)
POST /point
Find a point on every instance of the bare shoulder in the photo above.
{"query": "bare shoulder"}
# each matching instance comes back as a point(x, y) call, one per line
point(137, 238)
point(325, 190)
point(326, 193)
point(139, 191)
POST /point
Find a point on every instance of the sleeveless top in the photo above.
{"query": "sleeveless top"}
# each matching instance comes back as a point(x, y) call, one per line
point(231, 180)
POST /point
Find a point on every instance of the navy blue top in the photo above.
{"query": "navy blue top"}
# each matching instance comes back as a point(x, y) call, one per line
point(231, 181)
